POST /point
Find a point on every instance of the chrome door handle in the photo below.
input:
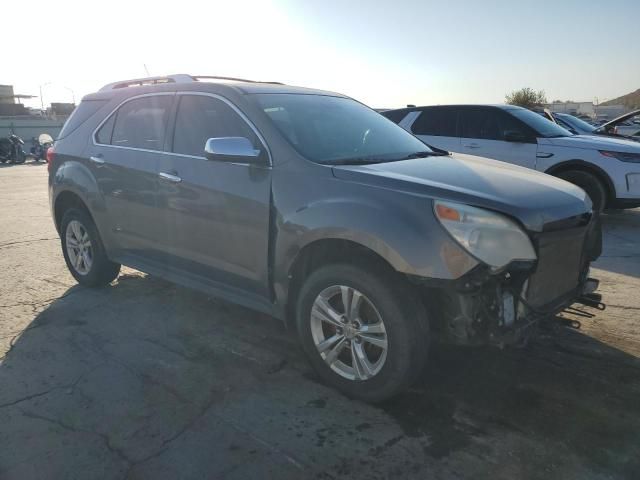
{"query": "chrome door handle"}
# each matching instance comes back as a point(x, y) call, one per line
point(170, 177)
point(97, 160)
point(472, 145)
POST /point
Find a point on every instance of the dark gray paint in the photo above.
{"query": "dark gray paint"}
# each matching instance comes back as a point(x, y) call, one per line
point(235, 230)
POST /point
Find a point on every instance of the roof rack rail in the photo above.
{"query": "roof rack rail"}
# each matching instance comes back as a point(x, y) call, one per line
point(178, 78)
point(233, 79)
point(137, 82)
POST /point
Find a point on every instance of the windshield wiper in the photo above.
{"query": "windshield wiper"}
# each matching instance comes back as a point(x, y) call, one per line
point(373, 160)
point(354, 161)
point(425, 153)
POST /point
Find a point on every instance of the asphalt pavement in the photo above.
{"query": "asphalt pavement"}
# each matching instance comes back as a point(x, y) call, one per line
point(147, 380)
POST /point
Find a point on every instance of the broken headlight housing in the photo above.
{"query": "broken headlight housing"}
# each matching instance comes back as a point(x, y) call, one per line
point(490, 237)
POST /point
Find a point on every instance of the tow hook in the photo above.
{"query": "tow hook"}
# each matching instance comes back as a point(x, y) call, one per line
point(566, 322)
point(593, 300)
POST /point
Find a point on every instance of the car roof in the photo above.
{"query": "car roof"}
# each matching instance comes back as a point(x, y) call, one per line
point(214, 84)
point(422, 107)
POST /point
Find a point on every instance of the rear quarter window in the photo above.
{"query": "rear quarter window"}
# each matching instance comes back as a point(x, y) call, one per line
point(81, 114)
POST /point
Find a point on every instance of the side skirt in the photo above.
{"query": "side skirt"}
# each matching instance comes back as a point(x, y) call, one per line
point(202, 284)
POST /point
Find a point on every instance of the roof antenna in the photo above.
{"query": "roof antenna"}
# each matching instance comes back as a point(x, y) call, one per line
point(146, 69)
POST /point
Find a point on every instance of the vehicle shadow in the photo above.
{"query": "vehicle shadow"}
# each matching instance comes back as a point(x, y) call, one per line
point(565, 395)
point(137, 378)
point(28, 162)
point(621, 246)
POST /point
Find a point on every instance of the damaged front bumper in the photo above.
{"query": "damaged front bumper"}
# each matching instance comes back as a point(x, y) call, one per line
point(505, 307)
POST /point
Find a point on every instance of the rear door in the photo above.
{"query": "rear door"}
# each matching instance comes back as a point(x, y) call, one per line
point(437, 126)
point(215, 215)
point(485, 131)
point(124, 159)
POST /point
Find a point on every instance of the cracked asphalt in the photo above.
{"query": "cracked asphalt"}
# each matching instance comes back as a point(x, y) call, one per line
point(146, 380)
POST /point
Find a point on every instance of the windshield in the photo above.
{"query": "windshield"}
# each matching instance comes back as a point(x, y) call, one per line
point(577, 123)
point(542, 126)
point(327, 129)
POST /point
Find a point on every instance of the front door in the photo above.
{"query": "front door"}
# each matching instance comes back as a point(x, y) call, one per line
point(484, 132)
point(215, 220)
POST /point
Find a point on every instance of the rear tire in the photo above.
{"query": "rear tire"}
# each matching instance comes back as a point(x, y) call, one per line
point(83, 250)
point(392, 360)
point(590, 184)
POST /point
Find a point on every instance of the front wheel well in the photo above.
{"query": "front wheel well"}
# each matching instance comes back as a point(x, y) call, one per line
point(325, 252)
point(64, 202)
point(582, 166)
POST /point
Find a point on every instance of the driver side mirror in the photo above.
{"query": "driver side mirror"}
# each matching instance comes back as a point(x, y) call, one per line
point(515, 136)
point(232, 149)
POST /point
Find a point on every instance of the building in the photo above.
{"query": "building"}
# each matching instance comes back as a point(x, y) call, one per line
point(6, 94)
point(573, 108)
point(15, 118)
point(8, 105)
point(588, 109)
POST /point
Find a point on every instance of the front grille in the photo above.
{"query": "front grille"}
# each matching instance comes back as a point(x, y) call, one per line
point(560, 264)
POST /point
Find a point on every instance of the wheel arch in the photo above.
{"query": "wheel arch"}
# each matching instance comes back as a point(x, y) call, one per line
point(582, 166)
point(65, 200)
point(324, 252)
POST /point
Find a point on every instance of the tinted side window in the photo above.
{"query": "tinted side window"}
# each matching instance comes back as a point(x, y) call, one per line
point(104, 134)
point(480, 123)
point(439, 122)
point(488, 124)
point(508, 123)
point(142, 123)
point(200, 118)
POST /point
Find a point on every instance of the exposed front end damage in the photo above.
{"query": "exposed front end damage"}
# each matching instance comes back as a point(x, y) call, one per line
point(505, 307)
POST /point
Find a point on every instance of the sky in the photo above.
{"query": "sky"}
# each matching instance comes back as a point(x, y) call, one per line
point(383, 53)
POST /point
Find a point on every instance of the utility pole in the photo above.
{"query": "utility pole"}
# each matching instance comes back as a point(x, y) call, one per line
point(73, 95)
point(41, 99)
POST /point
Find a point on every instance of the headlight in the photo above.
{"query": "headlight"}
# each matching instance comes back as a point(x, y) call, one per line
point(490, 237)
point(622, 156)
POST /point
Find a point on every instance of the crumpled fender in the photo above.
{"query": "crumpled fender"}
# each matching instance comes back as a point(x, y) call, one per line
point(401, 229)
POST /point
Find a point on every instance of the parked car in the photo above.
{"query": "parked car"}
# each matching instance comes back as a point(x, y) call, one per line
point(572, 123)
point(608, 169)
point(621, 127)
point(311, 207)
point(627, 125)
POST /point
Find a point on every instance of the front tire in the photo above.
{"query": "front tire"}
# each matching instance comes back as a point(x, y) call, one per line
point(83, 250)
point(363, 330)
point(590, 184)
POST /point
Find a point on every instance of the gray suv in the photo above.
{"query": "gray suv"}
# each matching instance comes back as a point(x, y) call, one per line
point(313, 208)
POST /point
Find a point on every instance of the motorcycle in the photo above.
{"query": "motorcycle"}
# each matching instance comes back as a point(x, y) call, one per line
point(40, 147)
point(11, 149)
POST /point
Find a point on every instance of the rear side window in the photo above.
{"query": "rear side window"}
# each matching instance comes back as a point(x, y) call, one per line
point(200, 118)
point(139, 123)
point(439, 122)
point(106, 130)
point(80, 115)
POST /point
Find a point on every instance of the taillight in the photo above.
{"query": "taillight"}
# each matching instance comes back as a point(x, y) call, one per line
point(51, 153)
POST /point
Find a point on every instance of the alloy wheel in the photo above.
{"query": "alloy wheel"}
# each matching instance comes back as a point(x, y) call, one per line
point(348, 332)
point(79, 248)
